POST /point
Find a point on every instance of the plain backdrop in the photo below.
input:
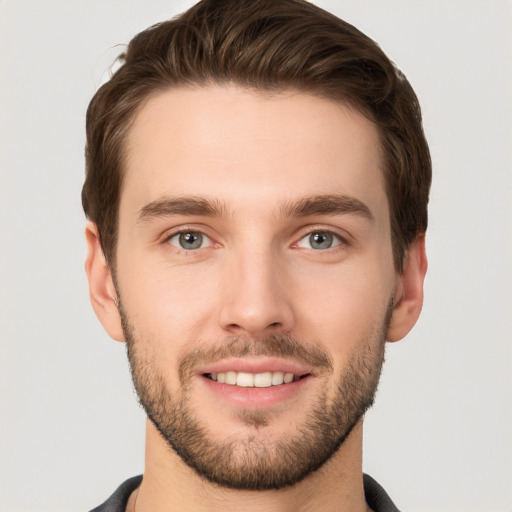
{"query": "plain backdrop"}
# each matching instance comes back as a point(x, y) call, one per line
point(440, 435)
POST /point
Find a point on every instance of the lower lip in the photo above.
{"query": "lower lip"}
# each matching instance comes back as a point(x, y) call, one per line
point(256, 398)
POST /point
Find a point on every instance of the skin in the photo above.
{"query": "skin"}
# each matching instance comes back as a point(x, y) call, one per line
point(256, 275)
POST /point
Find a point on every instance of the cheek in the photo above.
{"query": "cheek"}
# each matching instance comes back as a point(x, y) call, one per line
point(343, 307)
point(169, 302)
point(167, 314)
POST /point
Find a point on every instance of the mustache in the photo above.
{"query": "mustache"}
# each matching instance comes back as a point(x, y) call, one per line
point(276, 345)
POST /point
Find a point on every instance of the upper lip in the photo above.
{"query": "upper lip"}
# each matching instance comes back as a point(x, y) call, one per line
point(256, 365)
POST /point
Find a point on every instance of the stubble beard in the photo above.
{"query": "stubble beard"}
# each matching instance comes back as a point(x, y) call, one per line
point(254, 463)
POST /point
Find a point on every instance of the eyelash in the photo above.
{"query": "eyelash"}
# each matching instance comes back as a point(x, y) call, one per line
point(183, 231)
point(337, 240)
point(342, 241)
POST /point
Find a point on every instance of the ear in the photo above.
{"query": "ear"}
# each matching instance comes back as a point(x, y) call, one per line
point(409, 291)
point(101, 286)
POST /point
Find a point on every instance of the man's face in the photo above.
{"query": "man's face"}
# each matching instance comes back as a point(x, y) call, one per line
point(255, 277)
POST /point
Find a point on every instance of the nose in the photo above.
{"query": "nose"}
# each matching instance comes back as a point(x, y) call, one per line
point(256, 299)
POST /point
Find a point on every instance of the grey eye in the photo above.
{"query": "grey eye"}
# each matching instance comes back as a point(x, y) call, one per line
point(189, 240)
point(319, 240)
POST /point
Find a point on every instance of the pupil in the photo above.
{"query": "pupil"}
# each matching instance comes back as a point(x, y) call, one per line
point(191, 240)
point(321, 240)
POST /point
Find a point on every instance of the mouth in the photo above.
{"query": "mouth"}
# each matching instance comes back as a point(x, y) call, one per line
point(264, 379)
point(255, 383)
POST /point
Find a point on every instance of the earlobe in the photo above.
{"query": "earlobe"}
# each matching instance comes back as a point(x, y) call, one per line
point(409, 291)
point(102, 291)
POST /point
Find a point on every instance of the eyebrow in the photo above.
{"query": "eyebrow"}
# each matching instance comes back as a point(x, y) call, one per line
point(185, 205)
point(334, 204)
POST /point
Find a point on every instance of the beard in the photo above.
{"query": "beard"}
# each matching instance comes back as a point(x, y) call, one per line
point(253, 462)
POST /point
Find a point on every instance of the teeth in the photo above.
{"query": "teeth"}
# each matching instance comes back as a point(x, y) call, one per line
point(245, 380)
point(288, 377)
point(231, 378)
point(263, 380)
point(277, 378)
point(251, 380)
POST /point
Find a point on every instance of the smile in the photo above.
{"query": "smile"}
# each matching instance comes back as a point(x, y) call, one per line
point(253, 380)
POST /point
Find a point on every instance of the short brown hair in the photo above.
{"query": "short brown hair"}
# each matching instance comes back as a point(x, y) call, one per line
point(270, 45)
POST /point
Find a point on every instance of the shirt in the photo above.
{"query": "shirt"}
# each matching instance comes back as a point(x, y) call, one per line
point(375, 495)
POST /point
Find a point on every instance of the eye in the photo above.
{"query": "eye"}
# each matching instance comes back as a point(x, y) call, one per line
point(319, 240)
point(189, 240)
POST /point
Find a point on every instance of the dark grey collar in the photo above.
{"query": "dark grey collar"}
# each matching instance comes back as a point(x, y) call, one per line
point(375, 495)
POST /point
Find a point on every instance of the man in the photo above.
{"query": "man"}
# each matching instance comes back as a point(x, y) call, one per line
point(257, 187)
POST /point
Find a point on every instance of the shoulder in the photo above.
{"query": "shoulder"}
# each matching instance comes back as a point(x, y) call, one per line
point(376, 497)
point(117, 502)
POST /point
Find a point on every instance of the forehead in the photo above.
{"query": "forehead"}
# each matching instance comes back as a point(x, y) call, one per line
point(240, 146)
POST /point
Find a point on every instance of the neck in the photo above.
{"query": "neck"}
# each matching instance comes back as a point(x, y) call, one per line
point(169, 484)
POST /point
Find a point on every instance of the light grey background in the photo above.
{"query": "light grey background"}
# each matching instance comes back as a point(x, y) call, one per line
point(440, 436)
